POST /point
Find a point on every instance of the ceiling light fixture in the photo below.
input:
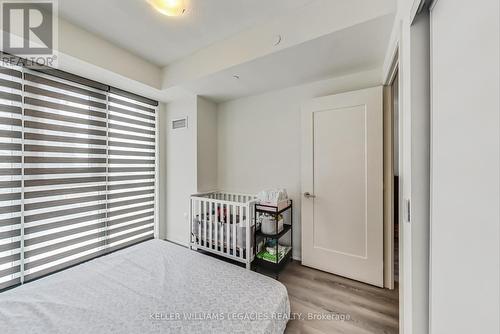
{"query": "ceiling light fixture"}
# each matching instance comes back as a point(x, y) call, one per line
point(169, 7)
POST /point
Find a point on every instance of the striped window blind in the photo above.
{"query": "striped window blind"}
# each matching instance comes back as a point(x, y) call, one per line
point(10, 174)
point(131, 174)
point(77, 171)
point(65, 142)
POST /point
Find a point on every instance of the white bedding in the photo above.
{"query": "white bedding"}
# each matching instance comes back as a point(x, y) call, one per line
point(153, 287)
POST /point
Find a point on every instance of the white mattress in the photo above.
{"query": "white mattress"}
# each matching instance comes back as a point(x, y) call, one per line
point(143, 289)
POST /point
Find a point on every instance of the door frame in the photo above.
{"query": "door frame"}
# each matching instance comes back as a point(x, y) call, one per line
point(399, 52)
point(389, 176)
point(404, 174)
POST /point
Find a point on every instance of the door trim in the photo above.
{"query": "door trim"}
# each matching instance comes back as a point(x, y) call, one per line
point(388, 188)
point(389, 174)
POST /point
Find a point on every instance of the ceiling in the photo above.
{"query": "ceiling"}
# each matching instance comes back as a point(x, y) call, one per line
point(355, 49)
point(135, 26)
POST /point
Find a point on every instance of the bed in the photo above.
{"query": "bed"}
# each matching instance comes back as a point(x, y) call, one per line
point(152, 287)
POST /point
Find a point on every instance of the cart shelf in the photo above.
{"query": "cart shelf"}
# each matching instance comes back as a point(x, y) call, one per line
point(286, 228)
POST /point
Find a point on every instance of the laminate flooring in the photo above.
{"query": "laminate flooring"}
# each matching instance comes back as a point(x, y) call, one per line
point(326, 303)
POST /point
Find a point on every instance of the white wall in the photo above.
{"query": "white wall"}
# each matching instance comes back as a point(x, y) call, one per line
point(190, 161)
point(259, 139)
point(465, 182)
point(181, 168)
point(207, 145)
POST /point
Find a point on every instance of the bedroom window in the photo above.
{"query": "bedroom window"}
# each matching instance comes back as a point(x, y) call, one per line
point(77, 171)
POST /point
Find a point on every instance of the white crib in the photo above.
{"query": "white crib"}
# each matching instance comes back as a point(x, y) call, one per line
point(223, 223)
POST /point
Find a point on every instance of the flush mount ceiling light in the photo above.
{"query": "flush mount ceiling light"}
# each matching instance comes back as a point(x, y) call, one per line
point(169, 7)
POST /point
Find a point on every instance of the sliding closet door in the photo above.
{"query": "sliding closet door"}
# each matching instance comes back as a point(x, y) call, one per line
point(65, 156)
point(10, 175)
point(131, 131)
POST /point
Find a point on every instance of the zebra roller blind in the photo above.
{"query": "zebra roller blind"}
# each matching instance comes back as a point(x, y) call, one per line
point(10, 175)
point(131, 174)
point(64, 173)
point(77, 175)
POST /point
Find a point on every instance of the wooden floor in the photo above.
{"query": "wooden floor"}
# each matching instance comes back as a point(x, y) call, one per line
point(360, 308)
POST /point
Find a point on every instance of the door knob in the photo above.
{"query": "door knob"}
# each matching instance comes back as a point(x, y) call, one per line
point(309, 195)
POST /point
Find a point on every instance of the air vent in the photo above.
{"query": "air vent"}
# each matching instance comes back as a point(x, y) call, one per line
point(180, 123)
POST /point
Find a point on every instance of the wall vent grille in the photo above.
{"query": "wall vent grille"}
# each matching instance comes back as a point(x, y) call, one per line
point(180, 123)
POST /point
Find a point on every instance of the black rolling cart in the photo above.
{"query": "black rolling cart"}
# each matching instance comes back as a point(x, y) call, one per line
point(263, 259)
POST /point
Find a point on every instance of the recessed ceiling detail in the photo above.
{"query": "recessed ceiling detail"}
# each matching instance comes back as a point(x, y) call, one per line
point(134, 26)
point(216, 42)
point(359, 48)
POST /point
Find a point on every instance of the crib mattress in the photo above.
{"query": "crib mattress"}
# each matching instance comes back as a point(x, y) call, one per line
point(153, 287)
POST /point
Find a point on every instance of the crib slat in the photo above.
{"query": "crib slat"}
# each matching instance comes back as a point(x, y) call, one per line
point(198, 221)
point(192, 219)
point(248, 233)
point(243, 223)
point(238, 235)
point(203, 229)
point(213, 226)
point(235, 212)
point(215, 223)
point(216, 213)
point(228, 244)
point(207, 224)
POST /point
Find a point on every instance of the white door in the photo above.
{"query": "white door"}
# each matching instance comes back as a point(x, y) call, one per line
point(342, 183)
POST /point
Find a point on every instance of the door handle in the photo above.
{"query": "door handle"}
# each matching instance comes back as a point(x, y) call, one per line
point(309, 195)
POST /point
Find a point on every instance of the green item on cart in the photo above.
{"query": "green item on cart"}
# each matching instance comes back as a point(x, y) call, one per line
point(265, 255)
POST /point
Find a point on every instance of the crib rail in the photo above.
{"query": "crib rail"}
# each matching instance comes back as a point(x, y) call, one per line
point(225, 196)
point(222, 223)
